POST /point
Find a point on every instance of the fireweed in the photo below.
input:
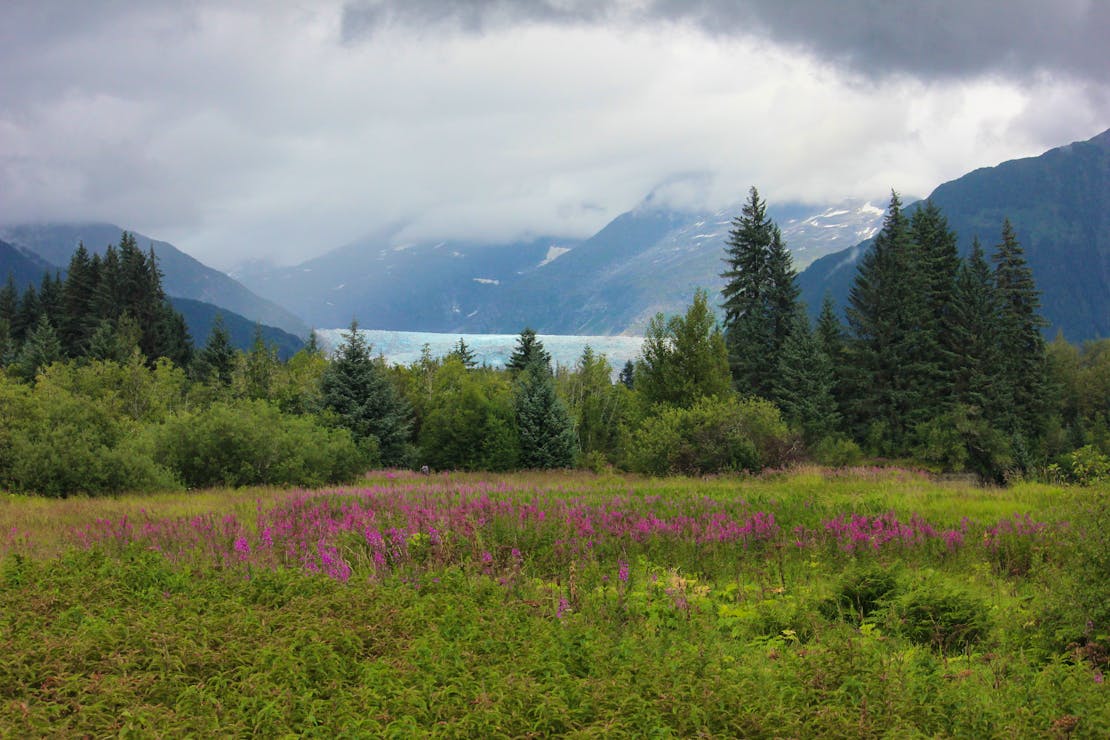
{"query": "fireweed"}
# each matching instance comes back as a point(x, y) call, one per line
point(493, 528)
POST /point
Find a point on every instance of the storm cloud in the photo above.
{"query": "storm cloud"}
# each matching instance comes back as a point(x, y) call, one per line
point(279, 130)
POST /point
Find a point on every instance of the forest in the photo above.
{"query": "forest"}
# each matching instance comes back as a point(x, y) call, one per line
point(939, 364)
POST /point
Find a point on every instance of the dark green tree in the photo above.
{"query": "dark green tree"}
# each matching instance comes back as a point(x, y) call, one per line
point(27, 315)
point(77, 324)
point(1021, 345)
point(357, 390)
point(259, 367)
point(216, 360)
point(41, 348)
point(528, 350)
point(627, 376)
point(747, 258)
point(546, 430)
point(974, 327)
point(759, 297)
point(936, 261)
point(885, 385)
point(804, 384)
point(465, 354)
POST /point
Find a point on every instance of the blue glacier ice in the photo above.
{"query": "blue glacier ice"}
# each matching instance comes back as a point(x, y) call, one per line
point(404, 347)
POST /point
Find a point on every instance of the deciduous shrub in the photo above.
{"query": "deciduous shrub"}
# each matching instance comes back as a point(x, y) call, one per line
point(252, 442)
point(712, 436)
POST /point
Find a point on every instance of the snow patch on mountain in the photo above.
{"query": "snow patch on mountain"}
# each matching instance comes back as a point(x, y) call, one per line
point(553, 253)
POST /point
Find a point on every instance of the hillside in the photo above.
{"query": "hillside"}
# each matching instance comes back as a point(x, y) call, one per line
point(183, 276)
point(200, 317)
point(1059, 204)
point(26, 268)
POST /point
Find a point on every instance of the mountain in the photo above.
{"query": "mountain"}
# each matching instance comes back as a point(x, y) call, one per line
point(26, 268)
point(200, 316)
point(646, 260)
point(183, 276)
point(1059, 204)
point(399, 285)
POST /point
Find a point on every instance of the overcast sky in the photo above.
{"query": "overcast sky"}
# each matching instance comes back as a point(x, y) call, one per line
point(281, 130)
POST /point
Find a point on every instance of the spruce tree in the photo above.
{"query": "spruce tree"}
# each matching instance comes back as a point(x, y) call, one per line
point(627, 376)
point(27, 315)
point(216, 360)
point(804, 383)
point(883, 313)
point(747, 256)
point(260, 366)
point(974, 327)
point(77, 323)
point(528, 349)
point(1021, 346)
point(759, 297)
point(547, 435)
point(360, 394)
point(41, 348)
point(464, 354)
point(937, 261)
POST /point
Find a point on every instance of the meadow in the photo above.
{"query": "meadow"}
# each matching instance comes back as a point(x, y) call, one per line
point(812, 602)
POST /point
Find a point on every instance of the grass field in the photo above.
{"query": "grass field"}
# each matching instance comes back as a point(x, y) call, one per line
point(862, 603)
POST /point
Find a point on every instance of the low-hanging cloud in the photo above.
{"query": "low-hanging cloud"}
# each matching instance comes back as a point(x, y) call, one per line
point(283, 129)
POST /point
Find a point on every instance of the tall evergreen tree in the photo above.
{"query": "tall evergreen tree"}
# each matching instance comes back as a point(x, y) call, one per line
point(1022, 347)
point(759, 297)
point(358, 391)
point(547, 435)
point(466, 355)
point(747, 257)
point(27, 315)
point(41, 348)
point(77, 325)
point(936, 261)
point(260, 365)
point(528, 349)
point(975, 330)
point(804, 383)
point(216, 360)
point(884, 313)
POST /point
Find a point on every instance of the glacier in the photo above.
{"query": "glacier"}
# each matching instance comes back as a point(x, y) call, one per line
point(405, 347)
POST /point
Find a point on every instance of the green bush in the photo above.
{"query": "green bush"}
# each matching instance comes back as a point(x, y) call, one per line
point(55, 443)
point(714, 435)
point(837, 451)
point(940, 616)
point(252, 442)
point(1087, 466)
point(861, 592)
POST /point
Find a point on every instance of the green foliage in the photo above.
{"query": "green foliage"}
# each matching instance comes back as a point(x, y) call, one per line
point(760, 297)
point(1088, 465)
point(713, 436)
point(597, 406)
point(837, 451)
point(683, 358)
point(528, 350)
point(545, 427)
point(962, 440)
point(941, 616)
point(56, 443)
point(861, 591)
point(805, 382)
point(252, 442)
point(469, 422)
point(357, 390)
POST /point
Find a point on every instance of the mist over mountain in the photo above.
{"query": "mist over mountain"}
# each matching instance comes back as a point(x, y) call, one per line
point(1059, 205)
point(647, 260)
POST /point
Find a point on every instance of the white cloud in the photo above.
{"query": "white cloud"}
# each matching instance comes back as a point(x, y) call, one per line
point(257, 132)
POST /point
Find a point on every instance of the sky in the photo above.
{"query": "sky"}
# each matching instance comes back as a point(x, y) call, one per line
point(279, 130)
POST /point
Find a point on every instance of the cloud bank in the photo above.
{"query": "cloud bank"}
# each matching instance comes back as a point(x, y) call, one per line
point(280, 130)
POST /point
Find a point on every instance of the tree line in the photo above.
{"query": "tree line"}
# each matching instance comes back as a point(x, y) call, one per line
point(939, 362)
